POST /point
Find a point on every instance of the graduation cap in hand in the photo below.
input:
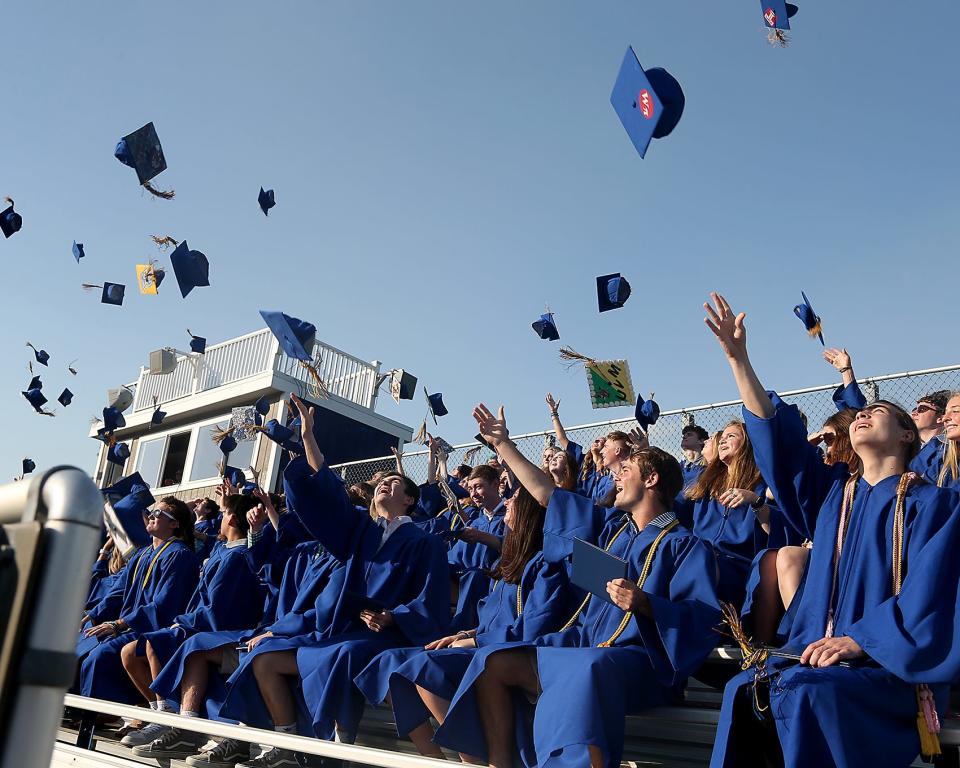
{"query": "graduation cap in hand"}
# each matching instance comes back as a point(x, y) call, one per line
point(776, 17)
point(10, 220)
point(809, 318)
point(649, 103)
point(266, 200)
point(546, 328)
point(141, 151)
point(198, 344)
point(191, 268)
point(40, 354)
point(435, 404)
point(646, 412)
point(612, 291)
point(78, 251)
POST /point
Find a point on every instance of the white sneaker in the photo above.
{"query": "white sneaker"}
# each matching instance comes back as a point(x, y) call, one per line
point(225, 754)
point(274, 758)
point(176, 742)
point(144, 735)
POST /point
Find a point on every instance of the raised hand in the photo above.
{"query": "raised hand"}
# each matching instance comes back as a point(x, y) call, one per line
point(306, 415)
point(256, 517)
point(494, 429)
point(552, 404)
point(727, 327)
point(838, 358)
point(639, 438)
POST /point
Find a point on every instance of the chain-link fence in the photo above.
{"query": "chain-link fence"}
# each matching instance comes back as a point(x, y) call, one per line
point(815, 402)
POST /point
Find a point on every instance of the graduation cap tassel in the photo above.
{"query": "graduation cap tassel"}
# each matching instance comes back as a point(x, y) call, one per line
point(778, 37)
point(421, 436)
point(221, 433)
point(158, 192)
point(317, 386)
point(164, 242)
point(90, 286)
point(71, 368)
point(471, 454)
point(569, 355)
point(9, 200)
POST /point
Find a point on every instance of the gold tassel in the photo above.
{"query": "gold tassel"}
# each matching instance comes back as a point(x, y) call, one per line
point(816, 330)
point(421, 436)
point(570, 355)
point(165, 242)
point(158, 192)
point(317, 386)
point(778, 37)
point(71, 368)
point(470, 455)
point(221, 433)
point(90, 286)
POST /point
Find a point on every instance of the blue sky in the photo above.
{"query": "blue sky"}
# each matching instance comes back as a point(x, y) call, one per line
point(443, 170)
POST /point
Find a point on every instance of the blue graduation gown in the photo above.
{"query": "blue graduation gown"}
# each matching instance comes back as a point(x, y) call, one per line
point(543, 587)
point(408, 574)
point(849, 396)
point(469, 564)
point(929, 460)
point(156, 587)
point(863, 715)
point(101, 583)
point(588, 690)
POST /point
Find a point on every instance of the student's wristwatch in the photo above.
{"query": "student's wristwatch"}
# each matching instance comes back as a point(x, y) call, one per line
point(760, 503)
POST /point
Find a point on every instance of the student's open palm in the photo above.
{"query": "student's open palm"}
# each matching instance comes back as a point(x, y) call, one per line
point(494, 429)
point(306, 415)
point(727, 326)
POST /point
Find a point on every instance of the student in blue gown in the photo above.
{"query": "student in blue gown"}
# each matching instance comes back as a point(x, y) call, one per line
point(593, 479)
point(156, 587)
point(105, 573)
point(927, 414)
point(949, 475)
point(615, 656)
point(228, 597)
point(526, 600)
point(887, 604)
point(395, 592)
point(693, 437)
point(434, 513)
point(206, 525)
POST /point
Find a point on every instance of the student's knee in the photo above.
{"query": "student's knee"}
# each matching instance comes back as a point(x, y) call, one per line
point(128, 655)
point(791, 559)
point(512, 668)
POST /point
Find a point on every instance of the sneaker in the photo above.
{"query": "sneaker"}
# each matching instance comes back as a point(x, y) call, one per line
point(176, 742)
point(273, 758)
point(144, 735)
point(226, 754)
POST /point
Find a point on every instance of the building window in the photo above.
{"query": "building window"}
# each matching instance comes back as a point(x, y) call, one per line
point(176, 460)
point(207, 456)
point(149, 458)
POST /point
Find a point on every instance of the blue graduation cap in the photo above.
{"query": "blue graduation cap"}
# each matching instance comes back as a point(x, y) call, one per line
point(113, 419)
point(275, 431)
point(66, 397)
point(234, 475)
point(10, 220)
point(191, 268)
point(266, 200)
point(649, 103)
point(37, 400)
point(262, 407)
point(158, 416)
point(228, 445)
point(130, 498)
point(28, 466)
point(40, 354)
point(809, 318)
point(646, 412)
point(112, 292)
point(118, 453)
point(198, 344)
point(35, 383)
point(777, 13)
point(435, 404)
point(546, 328)
point(296, 337)
point(141, 151)
point(78, 251)
point(612, 291)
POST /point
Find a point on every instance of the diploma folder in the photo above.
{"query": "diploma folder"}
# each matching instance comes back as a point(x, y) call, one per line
point(593, 568)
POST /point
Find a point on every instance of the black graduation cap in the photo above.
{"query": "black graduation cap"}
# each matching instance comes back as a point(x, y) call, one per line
point(649, 103)
point(612, 291)
point(113, 419)
point(66, 397)
point(141, 151)
point(266, 200)
point(809, 318)
point(28, 466)
point(35, 383)
point(40, 354)
point(37, 400)
point(191, 268)
point(646, 412)
point(198, 344)
point(10, 220)
point(118, 453)
point(158, 416)
point(78, 251)
point(435, 404)
point(262, 408)
point(403, 385)
point(112, 292)
point(546, 328)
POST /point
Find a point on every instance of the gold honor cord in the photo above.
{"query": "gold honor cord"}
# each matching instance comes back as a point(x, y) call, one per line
point(153, 562)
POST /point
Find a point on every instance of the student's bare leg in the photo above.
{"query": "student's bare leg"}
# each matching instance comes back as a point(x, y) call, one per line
point(196, 673)
point(767, 607)
point(504, 670)
point(138, 669)
point(791, 563)
point(272, 671)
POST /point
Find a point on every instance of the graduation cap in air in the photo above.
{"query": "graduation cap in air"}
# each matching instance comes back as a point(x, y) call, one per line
point(267, 200)
point(66, 397)
point(113, 419)
point(37, 400)
point(78, 251)
point(647, 412)
point(124, 487)
point(198, 344)
point(190, 267)
point(776, 18)
point(118, 453)
point(262, 408)
point(129, 498)
point(435, 404)
point(403, 385)
point(612, 291)
point(223, 437)
point(149, 277)
point(141, 151)
point(35, 383)
point(297, 339)
point(40, 354)
point(546, 327)
point(809, 318)
point(234, 475)
point(275, 431)
point(28, 466)
point(10, 220)
point(158, 416)
point(112, 292)
point(649, 103)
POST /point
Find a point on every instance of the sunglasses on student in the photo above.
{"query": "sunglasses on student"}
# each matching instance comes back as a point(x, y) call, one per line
point(921, 408)
point(155, 514)
point(828, 438)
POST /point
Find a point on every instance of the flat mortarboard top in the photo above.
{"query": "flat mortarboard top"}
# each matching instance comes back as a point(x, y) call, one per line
point(78, 251)
point(124, 486)
point(36, 399)
point(149, 277)
point(191, 268)
point(403, 385)
point(296, 337)
point(435, 404)
point(10, 220)
point(112, 294)
point(809, 318)
point(141, 151)
point(649, 103)
point(41, 355)
point(275, 431)
point(593, 568)
point(28, 466)
point(198, 344)
point(118, 453)
point(262, 407)
point(267, 200)
point(647, 412)
point(113, 419)
point(546, 327)
point(66, 397)
point(35, 383)
point(612, 291)
point(777, 13)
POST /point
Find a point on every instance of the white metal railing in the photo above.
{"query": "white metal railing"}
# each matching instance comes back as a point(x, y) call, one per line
point(257, 353)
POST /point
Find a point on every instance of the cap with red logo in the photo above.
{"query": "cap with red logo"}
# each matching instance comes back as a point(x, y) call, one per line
point(777, 13)
point(649, 103)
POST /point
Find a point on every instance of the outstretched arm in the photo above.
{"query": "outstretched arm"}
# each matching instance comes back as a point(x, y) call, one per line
point(494, 430)
point(732, 336)
point(562, 440)
point(314, 456)
point(840, 359)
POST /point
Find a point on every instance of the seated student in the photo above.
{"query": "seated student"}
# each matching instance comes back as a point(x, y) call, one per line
point(949, 475)
point(394, 592)
point(206, 524)
point(433, 512)
point(617, 655)
point(477, 547)
point(616, 447)
point(927, 414)
point(361, 494)
point(563, 469)
point(880, 592)
point(593, 479)
point(157, 584)
point(104, 574)
point(228, 597)
point(692, 439)
point(526, 601)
